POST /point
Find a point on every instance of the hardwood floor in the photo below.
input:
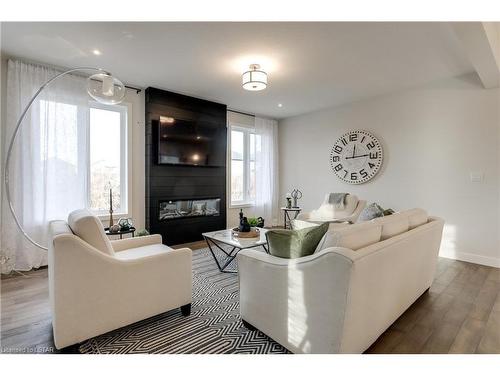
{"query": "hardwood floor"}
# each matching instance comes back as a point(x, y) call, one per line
point(459, 314)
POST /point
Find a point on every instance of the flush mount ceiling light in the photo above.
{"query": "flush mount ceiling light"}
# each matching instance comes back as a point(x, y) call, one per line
point(254, 79)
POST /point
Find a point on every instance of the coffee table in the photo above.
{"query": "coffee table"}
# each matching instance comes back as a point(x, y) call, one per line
point(226, 237)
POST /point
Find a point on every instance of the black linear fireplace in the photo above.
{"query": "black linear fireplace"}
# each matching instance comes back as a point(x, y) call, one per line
point(188, 208)
point(185, 166)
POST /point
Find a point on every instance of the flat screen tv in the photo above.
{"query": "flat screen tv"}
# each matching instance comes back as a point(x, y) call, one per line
point(198, 142)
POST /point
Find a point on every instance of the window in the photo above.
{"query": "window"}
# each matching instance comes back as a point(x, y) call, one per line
point(244, 145)
point(107, 157)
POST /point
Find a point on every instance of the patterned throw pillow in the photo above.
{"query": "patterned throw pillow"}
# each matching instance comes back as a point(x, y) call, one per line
point(370, 212)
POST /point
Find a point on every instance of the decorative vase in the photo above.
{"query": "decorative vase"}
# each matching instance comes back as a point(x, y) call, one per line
point(260, 222)
point(114, 228)
point(244, 224)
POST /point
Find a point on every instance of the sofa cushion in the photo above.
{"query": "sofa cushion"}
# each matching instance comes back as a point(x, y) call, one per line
point(89, 228)
point(354, 237)
point(292, 244)
point(416, 217)
point(392, 225)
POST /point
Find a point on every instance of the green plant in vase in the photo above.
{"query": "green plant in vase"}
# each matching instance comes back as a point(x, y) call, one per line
point(253, 221)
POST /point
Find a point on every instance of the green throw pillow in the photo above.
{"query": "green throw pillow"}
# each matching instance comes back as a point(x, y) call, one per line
point(292, 244)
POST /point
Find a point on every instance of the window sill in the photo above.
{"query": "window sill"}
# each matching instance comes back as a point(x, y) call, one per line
point(241, 205)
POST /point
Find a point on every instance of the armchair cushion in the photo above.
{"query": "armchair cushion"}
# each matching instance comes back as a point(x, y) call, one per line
point(292, 244)
point(143, 251)
point(328, 211)
point(89, 228)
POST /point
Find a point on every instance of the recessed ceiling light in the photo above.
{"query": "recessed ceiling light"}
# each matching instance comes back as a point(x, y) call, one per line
point(198, 137)
point(280, 105)
point(96, 52)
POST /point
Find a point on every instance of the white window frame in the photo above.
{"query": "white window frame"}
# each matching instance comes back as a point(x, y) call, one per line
point(125, 159)
point(247, 201)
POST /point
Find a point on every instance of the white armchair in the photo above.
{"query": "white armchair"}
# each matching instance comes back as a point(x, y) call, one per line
point(97, 285)
point(327, 212)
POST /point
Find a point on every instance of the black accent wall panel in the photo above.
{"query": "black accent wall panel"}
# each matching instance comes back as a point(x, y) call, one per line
point(164, 182)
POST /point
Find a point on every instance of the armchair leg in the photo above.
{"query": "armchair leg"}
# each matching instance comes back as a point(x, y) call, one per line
point(248, 325)
point(186, 309)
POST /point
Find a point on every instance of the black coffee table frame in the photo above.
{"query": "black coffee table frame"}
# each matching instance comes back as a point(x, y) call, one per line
point(230, 255)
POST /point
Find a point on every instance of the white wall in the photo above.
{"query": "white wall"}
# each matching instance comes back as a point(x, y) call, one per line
point(433, 137)
point(137, 156)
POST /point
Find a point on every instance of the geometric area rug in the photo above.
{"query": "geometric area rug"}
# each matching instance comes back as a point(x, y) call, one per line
point(214, 326)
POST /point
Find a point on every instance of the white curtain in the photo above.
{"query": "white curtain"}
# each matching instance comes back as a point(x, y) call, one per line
point(266, 170)
point(48, 168)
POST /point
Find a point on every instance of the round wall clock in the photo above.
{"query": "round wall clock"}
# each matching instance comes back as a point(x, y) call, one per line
point(356, 157)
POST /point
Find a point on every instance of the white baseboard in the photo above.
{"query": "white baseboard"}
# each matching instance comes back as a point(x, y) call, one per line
point(472, 258)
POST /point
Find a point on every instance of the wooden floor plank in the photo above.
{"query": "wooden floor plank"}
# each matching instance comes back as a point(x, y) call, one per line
point(490, 342)
point(459, 314)
point(468, 337)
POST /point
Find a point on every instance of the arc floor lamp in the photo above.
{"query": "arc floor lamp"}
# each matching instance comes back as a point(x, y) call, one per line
point(101, 86)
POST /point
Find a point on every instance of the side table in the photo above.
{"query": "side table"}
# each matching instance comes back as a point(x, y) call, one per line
point(287, 219)
point(120, 233)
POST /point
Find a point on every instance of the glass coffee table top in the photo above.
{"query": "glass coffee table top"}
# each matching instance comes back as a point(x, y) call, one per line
point(226, 236)
point(216, 240)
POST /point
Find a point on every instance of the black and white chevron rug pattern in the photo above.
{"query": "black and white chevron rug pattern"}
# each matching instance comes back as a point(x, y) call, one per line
point(214, 326)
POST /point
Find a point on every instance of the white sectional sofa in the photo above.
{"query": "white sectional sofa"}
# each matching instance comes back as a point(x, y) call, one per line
point(97, 285)
point(342, 298)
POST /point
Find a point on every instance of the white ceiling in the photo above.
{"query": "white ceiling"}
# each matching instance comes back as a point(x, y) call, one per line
point(310, 65)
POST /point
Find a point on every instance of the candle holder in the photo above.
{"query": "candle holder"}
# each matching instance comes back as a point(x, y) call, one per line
point(111, 208)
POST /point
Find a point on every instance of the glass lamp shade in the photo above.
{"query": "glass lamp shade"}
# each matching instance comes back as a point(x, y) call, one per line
point(105, 88)
point(254, 80)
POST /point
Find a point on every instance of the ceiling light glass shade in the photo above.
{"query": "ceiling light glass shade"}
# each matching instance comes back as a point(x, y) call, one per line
point(254, 79)
point(105, 88)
